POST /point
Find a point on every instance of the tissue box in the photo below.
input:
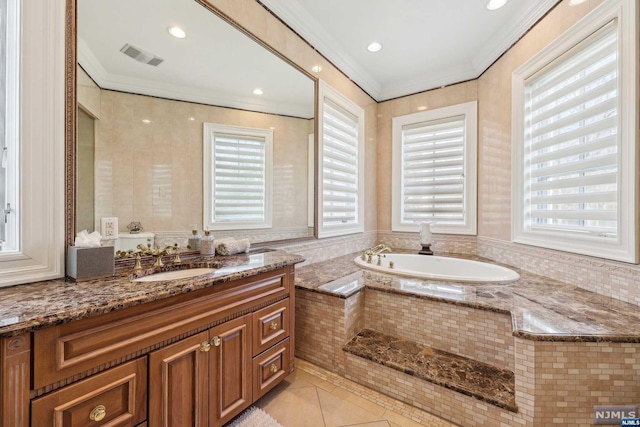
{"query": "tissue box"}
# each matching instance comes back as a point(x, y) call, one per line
point(90, 263)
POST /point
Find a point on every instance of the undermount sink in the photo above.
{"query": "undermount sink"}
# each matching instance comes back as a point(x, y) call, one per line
point(173, 275)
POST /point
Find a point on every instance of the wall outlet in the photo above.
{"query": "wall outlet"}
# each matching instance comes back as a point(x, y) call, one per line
point(109, 228)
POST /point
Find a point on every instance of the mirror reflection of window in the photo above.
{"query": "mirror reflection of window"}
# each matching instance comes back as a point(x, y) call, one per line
point(9, 44)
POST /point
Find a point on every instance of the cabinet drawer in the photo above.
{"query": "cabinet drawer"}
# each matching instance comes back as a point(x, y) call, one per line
point(116, 398)
point(270, 325)
point(270, 368)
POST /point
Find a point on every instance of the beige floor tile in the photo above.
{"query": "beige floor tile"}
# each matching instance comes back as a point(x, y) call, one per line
point(297, 380)
point(373, 424)
point(294, 408)
point(359, 401)
point(318, 382)
point(394, 418)
point(338, 412)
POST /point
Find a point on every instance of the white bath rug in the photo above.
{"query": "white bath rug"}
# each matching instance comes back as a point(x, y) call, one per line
point(254, 417)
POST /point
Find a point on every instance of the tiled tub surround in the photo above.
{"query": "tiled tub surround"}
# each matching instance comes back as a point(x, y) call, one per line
point(570, 349)
point(38, 305)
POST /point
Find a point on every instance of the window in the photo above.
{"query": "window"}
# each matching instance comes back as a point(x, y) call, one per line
point(9, 123)
point(341, 160)
point(574, 130)
point(37, 58)
point(237, 177)
point(434, 169)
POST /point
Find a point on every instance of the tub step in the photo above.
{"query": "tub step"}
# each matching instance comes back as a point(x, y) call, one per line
point(470, 377)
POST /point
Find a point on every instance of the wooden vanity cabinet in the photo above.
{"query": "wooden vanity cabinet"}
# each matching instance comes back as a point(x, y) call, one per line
point(196, 359)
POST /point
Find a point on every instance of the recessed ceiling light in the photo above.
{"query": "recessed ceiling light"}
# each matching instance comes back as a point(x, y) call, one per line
point(374, 47)
point(146, 121)
point(496, 4)
point(192, 118)
point(177, 32)
point(576, 2)
point(258, 92)
point(316, 68)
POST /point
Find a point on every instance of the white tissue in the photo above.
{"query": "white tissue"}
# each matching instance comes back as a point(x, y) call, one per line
point(86, 240)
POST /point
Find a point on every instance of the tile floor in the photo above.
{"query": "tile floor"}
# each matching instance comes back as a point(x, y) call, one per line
point(314, 397)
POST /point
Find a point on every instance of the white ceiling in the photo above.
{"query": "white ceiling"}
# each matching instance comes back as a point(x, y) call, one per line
point(215, 64)
point(426, 43)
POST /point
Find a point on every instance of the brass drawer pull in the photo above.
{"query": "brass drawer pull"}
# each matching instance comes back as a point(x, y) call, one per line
point(216, 341)
point(273, 368)
point(273, 326)
point(205, 346)
point(98, 413)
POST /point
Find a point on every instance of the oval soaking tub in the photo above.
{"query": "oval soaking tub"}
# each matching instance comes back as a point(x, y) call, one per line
point(441, 268)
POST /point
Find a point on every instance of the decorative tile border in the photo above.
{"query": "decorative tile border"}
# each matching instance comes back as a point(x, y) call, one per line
point(610, 278)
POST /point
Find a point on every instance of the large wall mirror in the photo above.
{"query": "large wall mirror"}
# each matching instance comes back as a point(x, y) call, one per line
point(144, 97)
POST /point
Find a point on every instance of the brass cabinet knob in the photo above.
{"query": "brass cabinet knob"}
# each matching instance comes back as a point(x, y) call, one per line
point(98, 413)
point(273, 368)
point(216, 341)
point(273, 326)
point(205, 346)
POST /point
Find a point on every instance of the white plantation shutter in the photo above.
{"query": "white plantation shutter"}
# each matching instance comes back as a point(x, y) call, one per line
point(571, 142)
point(574, 132)
point(237, 177)
point(433, 171)
point(339, 166)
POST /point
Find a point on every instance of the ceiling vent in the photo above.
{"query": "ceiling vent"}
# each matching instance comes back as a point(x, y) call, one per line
point(140, 55)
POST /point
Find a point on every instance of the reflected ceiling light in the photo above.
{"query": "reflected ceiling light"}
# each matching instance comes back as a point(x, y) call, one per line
point(146, 121)
point(496, 4)
point(258, 91)
point(177, 32)
point(576, 2)
point(374, 47)
point(316, 68)
point(272, 127)
point(422, 108)
point(192, 118)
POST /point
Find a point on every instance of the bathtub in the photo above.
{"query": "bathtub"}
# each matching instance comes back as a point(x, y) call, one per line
point(441, 268)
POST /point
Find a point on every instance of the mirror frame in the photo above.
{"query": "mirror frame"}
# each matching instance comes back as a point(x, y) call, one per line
point(71, 60)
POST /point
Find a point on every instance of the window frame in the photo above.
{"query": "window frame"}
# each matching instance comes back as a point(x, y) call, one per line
point(41, 207)
point(470, 112)
point(327, 92)
point(624, 246)
point(209, 131)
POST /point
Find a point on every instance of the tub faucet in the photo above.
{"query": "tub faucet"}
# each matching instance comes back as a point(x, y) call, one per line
point(368, 254)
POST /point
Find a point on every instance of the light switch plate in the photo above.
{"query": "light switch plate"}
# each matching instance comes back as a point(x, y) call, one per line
point(109, 228)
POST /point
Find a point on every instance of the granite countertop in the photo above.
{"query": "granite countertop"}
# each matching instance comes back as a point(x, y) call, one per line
point(541, 309)
point(38, 305)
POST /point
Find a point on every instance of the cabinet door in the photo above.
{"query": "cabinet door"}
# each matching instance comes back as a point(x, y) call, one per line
point(178, 380)
point(230, 370)
point(114, 398)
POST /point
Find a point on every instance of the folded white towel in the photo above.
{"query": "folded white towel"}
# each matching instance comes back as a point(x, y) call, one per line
point(230, 246)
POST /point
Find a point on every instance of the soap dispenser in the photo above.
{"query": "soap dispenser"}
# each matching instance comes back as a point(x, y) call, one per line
point(207, 246)
point(195, 239)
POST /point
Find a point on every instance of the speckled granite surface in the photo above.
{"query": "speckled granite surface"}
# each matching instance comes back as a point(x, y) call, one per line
point(480, 380)
point(28, 307)
point(541, 309)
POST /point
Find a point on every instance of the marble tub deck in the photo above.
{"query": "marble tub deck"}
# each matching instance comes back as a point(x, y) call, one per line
point(38, 305)
point(541, 309)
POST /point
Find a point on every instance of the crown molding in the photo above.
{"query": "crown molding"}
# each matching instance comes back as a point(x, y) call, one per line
point(322, 41)
point(503, 40)
point(463, 72)
point(109, 81)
